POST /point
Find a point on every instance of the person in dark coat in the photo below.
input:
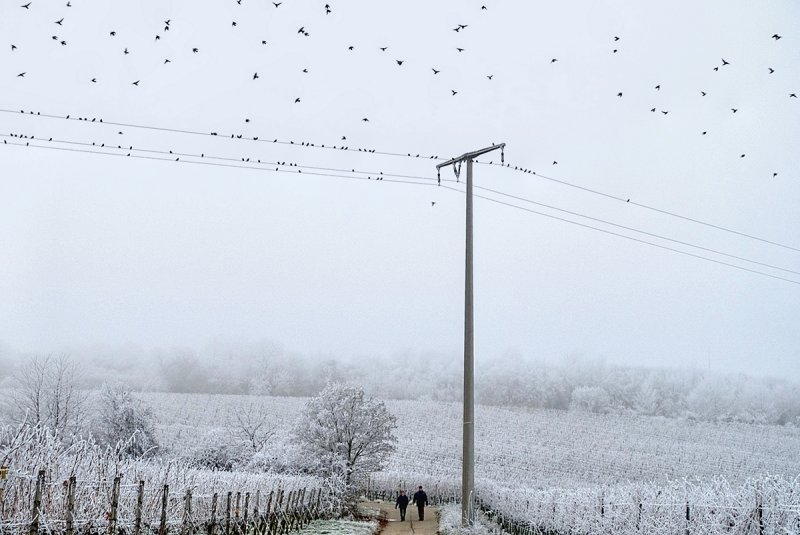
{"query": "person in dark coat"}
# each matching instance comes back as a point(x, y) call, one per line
point(421, 500)
point(402, 503)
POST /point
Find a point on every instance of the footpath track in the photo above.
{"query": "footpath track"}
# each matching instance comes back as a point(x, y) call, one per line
point(392, 525)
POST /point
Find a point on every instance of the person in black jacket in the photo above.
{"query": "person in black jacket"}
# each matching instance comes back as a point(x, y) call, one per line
point(421, 500)
point(402, 503)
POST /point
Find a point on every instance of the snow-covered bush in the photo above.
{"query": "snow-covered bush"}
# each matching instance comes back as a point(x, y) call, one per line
point(123, 419)
point(590, 398)
point(218, 450)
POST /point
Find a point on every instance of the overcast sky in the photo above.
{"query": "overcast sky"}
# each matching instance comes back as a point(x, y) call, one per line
point(99, 249)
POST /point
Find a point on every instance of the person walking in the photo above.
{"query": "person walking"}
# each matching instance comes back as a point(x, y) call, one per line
point(421, 500)
point(402, 503)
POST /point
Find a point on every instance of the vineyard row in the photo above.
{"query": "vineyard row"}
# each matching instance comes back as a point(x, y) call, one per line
point(131, 509)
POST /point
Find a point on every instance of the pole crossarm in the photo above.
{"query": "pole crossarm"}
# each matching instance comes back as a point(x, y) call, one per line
point(468, 156)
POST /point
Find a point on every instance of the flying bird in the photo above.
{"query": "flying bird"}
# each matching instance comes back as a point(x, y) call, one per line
point(771, 70)
point(302, 29)
point(553, 60)
point(399, 61)
point(664, 112)
point(94, 80)
point(483, 7)
point(658, 87)
point(136, 83)
point(555, 162)
point(705, 132)
point(454, 92)
point(13, 47)
point(742, 156)
point(619, 94)
point(460, 49)
point(490, 76)
point(233, 23)
point(652, 110)
point(112, 34)
point(776, 36)
point(126, 51)
point(725, 62)
point(774, 175)
point(792, 95)
point(21, 75)
point(703, 93)
point(59, 21)
point(27, 6)
point(384, 48)
point(297, 100)
point(255, 76)
point(435, 71)
point(734, 110)
point(167, 60)
point(276, 4)
point(364, 120)
point(616, 38)
point(433, 203)
point(195, 50)
point(350, 47)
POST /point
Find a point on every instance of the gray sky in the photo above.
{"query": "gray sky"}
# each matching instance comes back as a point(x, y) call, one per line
point(112, 250)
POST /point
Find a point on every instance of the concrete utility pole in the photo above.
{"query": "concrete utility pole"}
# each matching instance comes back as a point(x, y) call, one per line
point(468, 442)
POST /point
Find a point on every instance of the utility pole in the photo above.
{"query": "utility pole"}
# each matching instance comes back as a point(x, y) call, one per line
point(468, 441)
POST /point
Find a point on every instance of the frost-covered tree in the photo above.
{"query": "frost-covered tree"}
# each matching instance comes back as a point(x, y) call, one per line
point(46, 393)
point(351, 435)
point(124, 422)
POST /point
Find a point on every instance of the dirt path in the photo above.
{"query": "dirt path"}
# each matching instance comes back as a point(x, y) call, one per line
point(411, 525)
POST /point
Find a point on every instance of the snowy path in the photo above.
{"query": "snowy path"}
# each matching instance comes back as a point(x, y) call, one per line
point(411, 526)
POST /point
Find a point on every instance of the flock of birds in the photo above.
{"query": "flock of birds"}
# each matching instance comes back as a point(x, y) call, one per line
point(304, 32)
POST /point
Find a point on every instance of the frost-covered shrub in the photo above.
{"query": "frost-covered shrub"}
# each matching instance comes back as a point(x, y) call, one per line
point(218, 450)
point(282, 455)
point(124, 422)
point(590, 398)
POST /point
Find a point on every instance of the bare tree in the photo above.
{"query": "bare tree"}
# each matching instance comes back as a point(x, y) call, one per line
point(46, 393)
point(251, 426)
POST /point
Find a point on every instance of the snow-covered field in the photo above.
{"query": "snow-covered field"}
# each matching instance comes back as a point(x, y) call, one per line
point(538, 448)
point(565, 471)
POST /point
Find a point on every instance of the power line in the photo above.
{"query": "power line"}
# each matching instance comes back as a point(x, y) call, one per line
point(628, 237)
point(640, 205)
point(707, 249)
point(246, 163)
point(378, 174)
point(196, 162)
point(304, 144)
point(262, 139)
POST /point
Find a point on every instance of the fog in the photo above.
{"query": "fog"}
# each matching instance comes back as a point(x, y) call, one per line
point(571, 383)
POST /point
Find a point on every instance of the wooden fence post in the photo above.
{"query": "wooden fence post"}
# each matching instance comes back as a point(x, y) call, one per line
point(137, 522)
point(212, 527)
point(228, 513)
point(71, 505)
point(112, 516)
point(246, 507)
point(687, 518)
point(162, 528)
point(187, 512)
point(37, 504)
point(759, 514)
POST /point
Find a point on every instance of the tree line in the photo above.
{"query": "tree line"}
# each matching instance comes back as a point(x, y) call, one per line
point(571, 384)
